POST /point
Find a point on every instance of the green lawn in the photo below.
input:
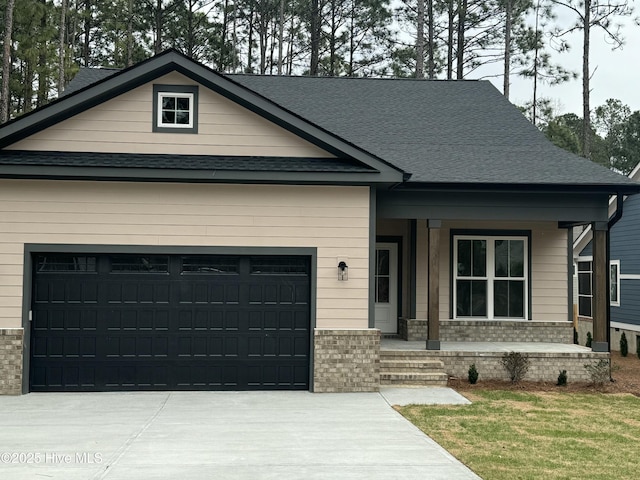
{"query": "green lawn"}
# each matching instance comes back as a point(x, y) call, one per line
point(518, 435)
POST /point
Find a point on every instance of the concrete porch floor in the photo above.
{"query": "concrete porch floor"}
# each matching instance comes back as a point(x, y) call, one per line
point(488, 347)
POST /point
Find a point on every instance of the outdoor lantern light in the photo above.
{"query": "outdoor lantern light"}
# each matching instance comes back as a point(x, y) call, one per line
point(343, 271)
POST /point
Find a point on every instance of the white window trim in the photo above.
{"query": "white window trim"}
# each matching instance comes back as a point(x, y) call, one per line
point(616, 302)
point(191, 98)
point(580, 260)
point(490, 277)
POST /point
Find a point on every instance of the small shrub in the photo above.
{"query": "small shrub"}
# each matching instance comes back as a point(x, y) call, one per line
point(599, 372)
point(589, 340)
point(562, 378)
point(624, 346)
point(575, 336)
point(516, 364)
point(473, 374)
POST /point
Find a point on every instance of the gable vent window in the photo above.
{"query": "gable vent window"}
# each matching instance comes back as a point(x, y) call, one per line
point(175, 108)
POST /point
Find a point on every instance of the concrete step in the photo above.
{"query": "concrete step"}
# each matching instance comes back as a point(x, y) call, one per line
point(412, 379)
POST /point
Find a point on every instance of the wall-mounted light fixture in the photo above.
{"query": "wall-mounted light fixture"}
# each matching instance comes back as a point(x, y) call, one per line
point(343, 271)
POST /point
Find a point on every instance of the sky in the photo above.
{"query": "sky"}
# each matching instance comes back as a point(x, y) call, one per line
point(615, 74)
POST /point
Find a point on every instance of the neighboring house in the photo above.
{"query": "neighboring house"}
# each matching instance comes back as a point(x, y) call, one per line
point(624, 275)
point(169, 227)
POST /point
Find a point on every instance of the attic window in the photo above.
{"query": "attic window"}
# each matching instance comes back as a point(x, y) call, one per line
point(175, 108)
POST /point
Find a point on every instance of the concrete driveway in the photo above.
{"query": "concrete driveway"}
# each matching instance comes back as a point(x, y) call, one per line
point(215, 435)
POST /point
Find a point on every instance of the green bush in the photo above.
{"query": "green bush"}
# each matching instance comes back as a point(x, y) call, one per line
point(473, 374)
point(600, 372)
point(575, 336)
point(516, 364)
point(624, 346)
point(562, 378)
point(589, 340)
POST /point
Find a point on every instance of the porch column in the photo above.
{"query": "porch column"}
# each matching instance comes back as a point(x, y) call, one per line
point(433, 332)
point(600, 287)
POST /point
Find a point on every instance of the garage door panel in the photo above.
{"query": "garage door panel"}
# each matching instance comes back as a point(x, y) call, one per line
point(138, 322)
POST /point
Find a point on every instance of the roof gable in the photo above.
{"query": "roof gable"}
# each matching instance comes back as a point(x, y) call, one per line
point(170, 63)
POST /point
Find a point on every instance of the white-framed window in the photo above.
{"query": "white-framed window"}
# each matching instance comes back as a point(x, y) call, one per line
point(490, 276)
point(614, 282)
point(175, 108)
point(585, 285)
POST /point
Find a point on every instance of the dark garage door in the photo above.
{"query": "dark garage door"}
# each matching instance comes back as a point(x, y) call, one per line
point(161, 322)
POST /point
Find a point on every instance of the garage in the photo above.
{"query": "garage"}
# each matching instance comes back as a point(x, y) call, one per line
point(113, 322)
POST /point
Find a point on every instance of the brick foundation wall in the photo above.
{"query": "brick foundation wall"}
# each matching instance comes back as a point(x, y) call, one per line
point(586, 325)
point(11, 361)
point(505, 331)
point(346, 360)
point(543, 366)
point(412, 330)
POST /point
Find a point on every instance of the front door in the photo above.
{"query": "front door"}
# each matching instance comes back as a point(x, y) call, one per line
point(386, 287)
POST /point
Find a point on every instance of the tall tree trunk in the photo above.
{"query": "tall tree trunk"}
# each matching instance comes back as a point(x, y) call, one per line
point(61, 45)
point(534, 106)
point(223, 36)
point(6, 60)
point(507, 46)
point(332, 40)
point(586, 111)
point(420, 40)
point(451, 16)
point(462, 16)
point(249, 68)
point(130, 33)
point(315, 37)
point(157, 48)
point(280, 37)
point(431, 48)
point(352, 40)
point(86, 47)
point(43, 83)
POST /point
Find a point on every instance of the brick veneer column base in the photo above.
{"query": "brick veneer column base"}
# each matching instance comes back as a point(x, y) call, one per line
point(346, 360)
point(11, 361)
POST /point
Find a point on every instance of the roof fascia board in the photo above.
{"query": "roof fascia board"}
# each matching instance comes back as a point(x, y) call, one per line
point(174, 175)
point(611, 189)
point(162, 64)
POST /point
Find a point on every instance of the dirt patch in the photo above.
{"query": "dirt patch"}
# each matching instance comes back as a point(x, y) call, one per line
point(625, 373)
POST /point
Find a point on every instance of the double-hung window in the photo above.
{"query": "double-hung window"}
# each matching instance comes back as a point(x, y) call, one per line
point(585, 285)
point(175, 108)
point(490, 276)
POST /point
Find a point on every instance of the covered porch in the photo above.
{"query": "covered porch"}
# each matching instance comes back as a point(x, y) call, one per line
point(470, 275)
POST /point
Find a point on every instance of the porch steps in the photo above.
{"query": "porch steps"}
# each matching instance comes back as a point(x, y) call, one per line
point(410, 369)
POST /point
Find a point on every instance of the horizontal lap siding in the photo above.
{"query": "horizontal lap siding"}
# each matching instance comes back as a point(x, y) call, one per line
point(333, 219)
point(124, 124)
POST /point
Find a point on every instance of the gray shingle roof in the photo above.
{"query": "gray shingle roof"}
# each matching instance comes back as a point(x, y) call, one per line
point(440, 131)
point(86, 77)
point(180, 162)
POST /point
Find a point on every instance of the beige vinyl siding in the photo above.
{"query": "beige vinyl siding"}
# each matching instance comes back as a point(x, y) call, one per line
point(333, 219)
point(124, 124)
point(548, 267)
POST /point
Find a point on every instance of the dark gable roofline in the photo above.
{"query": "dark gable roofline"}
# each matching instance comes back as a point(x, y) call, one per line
point(595, 188)
point(171, 60)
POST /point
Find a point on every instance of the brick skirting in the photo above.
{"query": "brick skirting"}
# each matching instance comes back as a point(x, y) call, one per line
point(346, 360)
point(489, 331)
point(542, 366)
point(11, 361)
